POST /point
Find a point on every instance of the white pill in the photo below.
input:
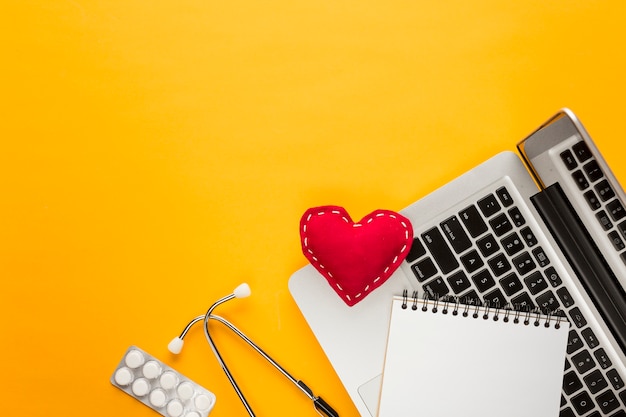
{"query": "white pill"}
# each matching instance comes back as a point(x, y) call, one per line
point(141, 387)
point(185, 390)
point(168, 380)
point(203, 402)
point(175, 408)
point(158, 398)
point(151, 369)
point(134, 359)
point(123, 376)
point(192, 414)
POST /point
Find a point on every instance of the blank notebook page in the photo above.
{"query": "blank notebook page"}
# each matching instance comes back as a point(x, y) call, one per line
point(446, 365)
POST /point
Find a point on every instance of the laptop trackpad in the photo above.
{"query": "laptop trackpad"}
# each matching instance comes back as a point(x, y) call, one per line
point(369, 392)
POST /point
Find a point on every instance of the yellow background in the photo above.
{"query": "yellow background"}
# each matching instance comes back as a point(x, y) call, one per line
point(155, 154)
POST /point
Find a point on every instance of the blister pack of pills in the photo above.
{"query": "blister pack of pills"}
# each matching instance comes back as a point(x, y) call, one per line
point(161, 387)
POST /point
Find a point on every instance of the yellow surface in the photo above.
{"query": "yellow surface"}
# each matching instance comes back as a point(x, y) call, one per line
point(157, 153)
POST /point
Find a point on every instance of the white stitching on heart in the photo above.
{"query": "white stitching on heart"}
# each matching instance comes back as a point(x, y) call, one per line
point(355, 224)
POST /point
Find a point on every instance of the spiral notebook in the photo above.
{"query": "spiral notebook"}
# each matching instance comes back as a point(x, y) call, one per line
point(447, 359)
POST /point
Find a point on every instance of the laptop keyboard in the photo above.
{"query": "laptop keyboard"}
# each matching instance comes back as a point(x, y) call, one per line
point(488, 253)
point(598, 193)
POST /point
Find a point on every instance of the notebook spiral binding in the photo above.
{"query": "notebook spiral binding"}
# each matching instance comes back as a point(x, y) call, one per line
point(508, 312)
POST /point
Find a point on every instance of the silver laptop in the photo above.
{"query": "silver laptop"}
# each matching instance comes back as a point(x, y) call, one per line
point(546, 231)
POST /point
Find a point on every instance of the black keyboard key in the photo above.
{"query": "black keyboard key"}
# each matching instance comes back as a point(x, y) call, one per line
point(424, 269)
point(516, 216)
point(489, 205)
point(604, 220)
point(487, 245)
point(455, 234)
point(511, 284)
point(436, 288)
point(547, 302)
point(617, 241)
point(565, 297)
point(604, 190)
point(622, 395)
point(459, 282)
point(471, 298)
point(607, 401)
point(504, 196)
point(472, 261)
point(615, 380)
point(499, 265)
point(592, 200)
point(512, 244)
point(567, 412)
point(495, 298)
point(616, 210)
point(440, 250)
point(417, 251)
point(501, 224)
point(541, 257)
point(535, 282)
point(529, 237)
point(473, 221)
point(553, 277)
point(602, 358)
point(524, 263)
point(583, 361)
point(568, 159)
point(620, 413)
point(571, 383)
point(577, 318)
point(582, 403)
point(580, 180)
point(593, 171)
point(582, 152)
point(595, 382)
point(590, 338)
point(567, 364)
point(483, 280)
point(574, 342)
point(622, 228)
point(523, 302)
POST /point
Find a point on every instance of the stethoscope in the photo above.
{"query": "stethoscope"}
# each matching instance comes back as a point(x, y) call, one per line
point(242, 291)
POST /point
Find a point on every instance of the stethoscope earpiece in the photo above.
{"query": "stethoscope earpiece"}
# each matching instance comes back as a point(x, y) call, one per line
point(242, 291)
point(176, 345)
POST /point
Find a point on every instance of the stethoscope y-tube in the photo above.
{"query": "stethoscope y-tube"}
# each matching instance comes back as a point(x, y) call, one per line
point(243, 290)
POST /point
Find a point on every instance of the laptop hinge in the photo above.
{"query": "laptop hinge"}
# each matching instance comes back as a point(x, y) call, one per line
point(585, 258)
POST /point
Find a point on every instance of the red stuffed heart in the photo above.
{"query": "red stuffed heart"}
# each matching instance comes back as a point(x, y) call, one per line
point(355, 258)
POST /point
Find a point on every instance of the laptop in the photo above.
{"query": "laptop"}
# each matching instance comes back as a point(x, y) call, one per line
point(545, 230)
